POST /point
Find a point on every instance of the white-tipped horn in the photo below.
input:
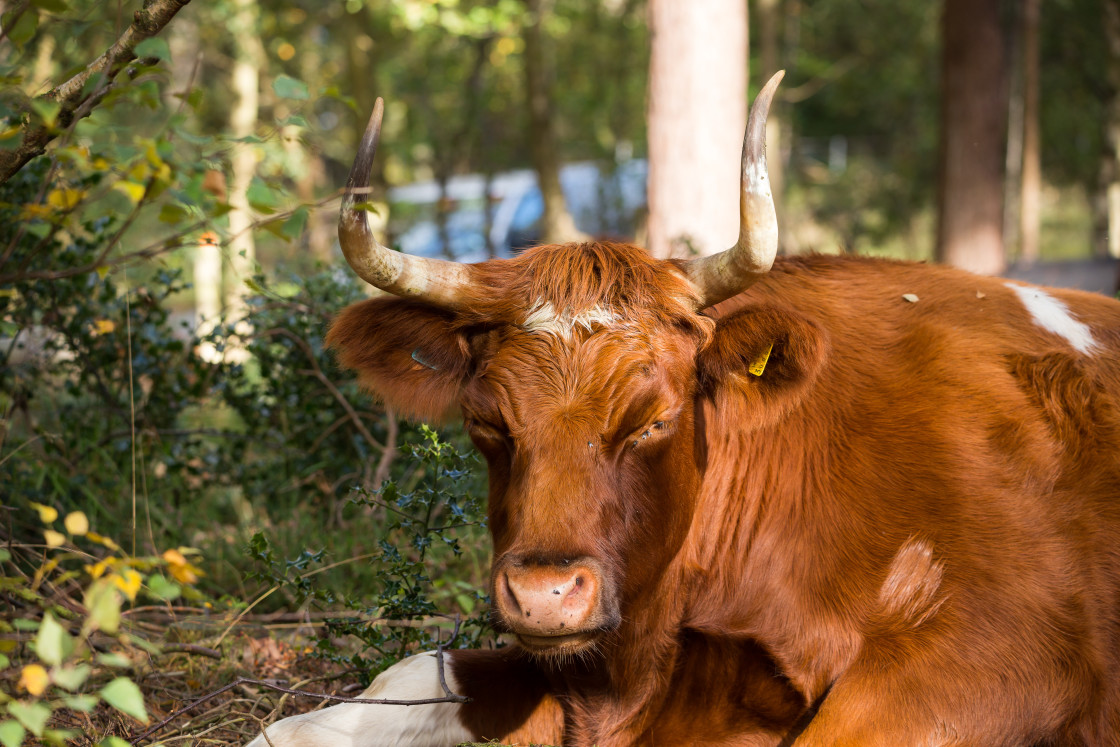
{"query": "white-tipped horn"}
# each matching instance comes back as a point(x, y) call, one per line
point(721, 276)
point(437, 281)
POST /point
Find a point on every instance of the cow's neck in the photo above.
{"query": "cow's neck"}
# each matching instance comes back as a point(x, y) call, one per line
point(755, 550)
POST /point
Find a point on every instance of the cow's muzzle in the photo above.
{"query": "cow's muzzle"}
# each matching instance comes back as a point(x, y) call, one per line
point(553, 607)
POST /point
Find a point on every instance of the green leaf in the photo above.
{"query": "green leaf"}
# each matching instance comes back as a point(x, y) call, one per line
point(154, 47)
point(294, 225)
point(5, 662)
point(59, 736)
point(23, 32)
point(53, 644)
point(47, 110)
point(161, 588)
point(22, 623)
point(54, 6)
point(83, 703)
point(71, 678)
point(32, 715)
point(104, 604)
point(114, 660)
point(11, 734)
point(123, 694)
point(170, 213)
point(113, 742)
point(287, 87)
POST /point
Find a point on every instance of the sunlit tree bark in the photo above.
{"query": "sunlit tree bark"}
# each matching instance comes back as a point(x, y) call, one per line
point(245, 84)
point(1030, 209)
point(557, 224)
point(973, 124)
point(697, 112)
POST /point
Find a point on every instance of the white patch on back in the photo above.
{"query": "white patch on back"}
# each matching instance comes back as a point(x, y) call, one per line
point(1054, 316)
point(544, 318)
point(370, 725)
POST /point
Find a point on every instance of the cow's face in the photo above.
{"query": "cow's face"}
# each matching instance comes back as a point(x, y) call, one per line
point(576, 371)
point(586, 418)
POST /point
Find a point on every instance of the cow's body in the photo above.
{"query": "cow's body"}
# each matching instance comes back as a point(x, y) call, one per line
point(912, 516)
point(861, 503)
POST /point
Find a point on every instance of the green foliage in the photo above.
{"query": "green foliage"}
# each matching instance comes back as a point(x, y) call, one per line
point(428, 516)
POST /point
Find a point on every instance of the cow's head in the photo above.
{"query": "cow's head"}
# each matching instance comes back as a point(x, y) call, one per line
point(575, 369)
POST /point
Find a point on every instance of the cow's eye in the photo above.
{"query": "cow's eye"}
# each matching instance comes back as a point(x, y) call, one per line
point(651, 430)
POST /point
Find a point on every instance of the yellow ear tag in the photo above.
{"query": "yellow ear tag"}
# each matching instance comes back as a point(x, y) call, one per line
point(759, 364)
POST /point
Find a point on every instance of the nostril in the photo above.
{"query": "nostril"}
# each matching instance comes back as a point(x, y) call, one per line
point(579, 581)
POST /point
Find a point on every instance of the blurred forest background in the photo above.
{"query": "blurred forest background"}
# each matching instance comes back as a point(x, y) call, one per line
point(192, 492)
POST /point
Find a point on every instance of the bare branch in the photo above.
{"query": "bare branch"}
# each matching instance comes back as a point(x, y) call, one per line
point(75, 101)
point(451, 698)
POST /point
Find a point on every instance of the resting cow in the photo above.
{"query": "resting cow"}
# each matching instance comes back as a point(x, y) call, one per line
point(863, 502)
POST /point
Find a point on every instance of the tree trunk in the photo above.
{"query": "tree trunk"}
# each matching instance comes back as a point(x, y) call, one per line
point(767, 13)
point(973, 123)
point(1013, 166)
point(1110, 163)
point(557, 225)
point(697, 114)
point(245, 82)
point(1031, 196)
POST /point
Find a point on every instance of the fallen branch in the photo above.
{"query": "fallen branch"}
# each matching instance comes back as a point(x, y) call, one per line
point(452, 698)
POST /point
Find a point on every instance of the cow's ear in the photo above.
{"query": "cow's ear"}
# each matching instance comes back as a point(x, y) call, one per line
point(409, 354)
point(766, 358)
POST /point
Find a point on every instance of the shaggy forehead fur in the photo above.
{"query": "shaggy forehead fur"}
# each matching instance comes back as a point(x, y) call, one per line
point(558, 287)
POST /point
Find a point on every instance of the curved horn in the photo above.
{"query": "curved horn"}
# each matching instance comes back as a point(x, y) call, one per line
point(721, 276)
point(435, 280)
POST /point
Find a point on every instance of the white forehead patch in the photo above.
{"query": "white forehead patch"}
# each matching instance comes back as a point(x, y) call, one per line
point(544, 318)
point(1054, 316)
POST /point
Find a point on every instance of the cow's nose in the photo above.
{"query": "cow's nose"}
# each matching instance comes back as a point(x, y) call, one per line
point(547, 600)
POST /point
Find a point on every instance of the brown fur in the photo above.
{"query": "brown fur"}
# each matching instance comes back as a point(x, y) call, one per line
point(912, 518)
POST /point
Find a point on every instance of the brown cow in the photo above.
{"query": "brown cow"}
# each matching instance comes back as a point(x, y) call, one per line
point(864, 503)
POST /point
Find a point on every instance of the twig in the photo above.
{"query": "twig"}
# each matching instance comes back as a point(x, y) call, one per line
point(190, 648)
point(451, 698)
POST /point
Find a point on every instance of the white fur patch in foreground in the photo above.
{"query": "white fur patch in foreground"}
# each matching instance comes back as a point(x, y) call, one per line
point(369, 725)
point(1054, 316)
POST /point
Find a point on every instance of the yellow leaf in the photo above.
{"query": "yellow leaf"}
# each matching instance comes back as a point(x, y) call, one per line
point(104, 326)
point(133, 191)
point(53, 538)
point(102, 271)
point(47, 514)
point(98, 569)
point(140, 171)
point(65, 198)
point(102, 540)
point(183, 571)
point(34, 679)
point(174, 557)
point(129, 582)
point(76, 523)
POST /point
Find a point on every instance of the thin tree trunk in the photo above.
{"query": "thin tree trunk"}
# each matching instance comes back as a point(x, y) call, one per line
point(697, 113)
point(1031, 207)
point(973, 123)
point(245, 82)
point(1110, 167)
point(557, 225)
point(207, 292)
point(767, 12)
point(1013, 165)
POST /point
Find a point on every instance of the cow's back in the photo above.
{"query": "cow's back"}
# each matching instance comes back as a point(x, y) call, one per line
point(971, 421)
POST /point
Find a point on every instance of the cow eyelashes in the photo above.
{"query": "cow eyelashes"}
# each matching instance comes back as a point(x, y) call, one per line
point(657, 425)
